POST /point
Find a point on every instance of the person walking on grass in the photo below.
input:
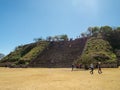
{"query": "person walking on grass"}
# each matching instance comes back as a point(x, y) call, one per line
point(92, 68)
point(99, 68)
point(72, 67)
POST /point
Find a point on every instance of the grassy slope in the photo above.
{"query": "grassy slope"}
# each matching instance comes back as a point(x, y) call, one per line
point(26, 53)
point(97, 49)
point(35, 51)
point(15, 55)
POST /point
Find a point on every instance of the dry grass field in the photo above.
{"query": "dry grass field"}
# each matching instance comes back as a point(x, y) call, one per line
point(58, 79)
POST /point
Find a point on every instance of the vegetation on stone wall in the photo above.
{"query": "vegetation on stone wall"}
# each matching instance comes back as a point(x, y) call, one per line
point(23, 54)
point(97, 49)
point(35, 51)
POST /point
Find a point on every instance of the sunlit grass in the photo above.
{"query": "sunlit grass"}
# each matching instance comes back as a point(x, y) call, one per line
point(58, 79)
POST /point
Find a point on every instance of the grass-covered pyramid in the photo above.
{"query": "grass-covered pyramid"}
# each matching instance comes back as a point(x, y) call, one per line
point(22, 55)
point(97, 49)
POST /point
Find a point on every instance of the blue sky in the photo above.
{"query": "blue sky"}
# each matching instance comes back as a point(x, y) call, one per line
point(23, 20)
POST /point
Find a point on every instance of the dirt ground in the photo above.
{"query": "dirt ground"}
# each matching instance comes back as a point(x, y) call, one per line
point(58, 79)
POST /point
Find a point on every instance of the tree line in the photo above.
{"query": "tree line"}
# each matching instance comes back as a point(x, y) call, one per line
point(111, 34)
point(53, 38)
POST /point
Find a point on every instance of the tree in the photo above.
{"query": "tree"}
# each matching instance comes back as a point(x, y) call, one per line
point(95, 31)
point(57, 37)
point(64, 37)
point(49, 38)
point(83, 34)
point(106, 30)
point(90, 30)
point(114, 38)
point(38, 39)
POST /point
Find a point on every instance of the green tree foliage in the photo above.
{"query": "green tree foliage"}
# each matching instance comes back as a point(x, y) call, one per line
point(108, 33)
point(93, 30)
point(38, 39)
point(64, 37)
point(57, 37)
point(49, 38)
point(106, 29)
point(114, 38)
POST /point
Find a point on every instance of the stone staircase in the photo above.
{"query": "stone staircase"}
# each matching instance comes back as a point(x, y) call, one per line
point(59, 54)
